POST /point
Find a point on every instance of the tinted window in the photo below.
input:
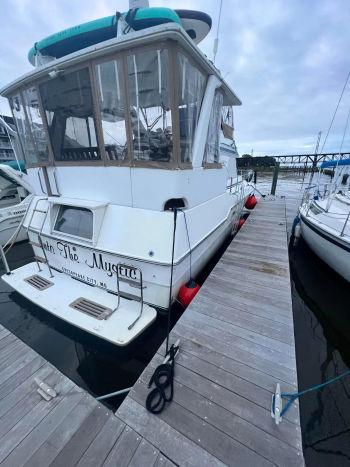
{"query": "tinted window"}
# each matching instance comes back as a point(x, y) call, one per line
point(67, 101)
point(75, 221)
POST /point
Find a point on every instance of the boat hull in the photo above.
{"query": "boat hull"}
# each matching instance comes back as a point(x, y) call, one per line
point(10, 218)
point(332, 251)
point(98, 268)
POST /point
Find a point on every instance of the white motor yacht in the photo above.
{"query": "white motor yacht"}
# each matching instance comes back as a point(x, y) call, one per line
point(129, 148)
point(325, 220)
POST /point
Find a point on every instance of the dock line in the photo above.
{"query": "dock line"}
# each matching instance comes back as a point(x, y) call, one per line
point(277, 410)
point(162, 378)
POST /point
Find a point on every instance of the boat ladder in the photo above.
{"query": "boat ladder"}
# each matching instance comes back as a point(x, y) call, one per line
point(136, 282)
point(38, 231)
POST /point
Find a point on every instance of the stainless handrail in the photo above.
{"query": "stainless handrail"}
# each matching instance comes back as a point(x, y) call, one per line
point(139, 285)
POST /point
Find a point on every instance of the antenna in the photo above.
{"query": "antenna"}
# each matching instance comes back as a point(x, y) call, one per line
point(216, 41)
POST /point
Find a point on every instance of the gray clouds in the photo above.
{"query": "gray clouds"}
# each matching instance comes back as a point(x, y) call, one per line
point(286, 60)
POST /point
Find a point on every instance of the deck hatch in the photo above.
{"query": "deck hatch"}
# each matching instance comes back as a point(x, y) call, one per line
point(91, 308)
point(38, 282)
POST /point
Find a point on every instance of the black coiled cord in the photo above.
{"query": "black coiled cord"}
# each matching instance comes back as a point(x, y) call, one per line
point(162, 378)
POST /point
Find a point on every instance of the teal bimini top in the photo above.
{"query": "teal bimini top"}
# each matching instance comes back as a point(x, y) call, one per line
point(84, 35)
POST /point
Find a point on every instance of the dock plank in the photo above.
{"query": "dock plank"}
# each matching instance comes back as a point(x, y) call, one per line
point(99, 449)
point(55, 442)
point(76, 446)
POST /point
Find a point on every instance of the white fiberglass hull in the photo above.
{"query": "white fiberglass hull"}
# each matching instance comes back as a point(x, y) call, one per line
point(97, 268)
point(10, 219)
point(61, 292)
point(332, 250)
point(95, 273)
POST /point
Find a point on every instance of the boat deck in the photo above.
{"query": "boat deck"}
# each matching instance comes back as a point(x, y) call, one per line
point(237, 342)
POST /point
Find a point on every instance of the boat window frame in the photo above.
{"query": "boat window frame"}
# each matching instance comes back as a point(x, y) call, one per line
point(196, 64)
point(174, 49)
point(19, 91)
point(174, 162)
point(56, 163)
point(93, 63)
point(206, 164)
point(68, 235)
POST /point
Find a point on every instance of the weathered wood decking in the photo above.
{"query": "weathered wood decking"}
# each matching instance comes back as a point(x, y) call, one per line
point(237, 342)
point(71, 429)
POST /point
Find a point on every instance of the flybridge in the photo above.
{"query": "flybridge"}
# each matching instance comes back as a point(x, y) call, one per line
point(196, 24)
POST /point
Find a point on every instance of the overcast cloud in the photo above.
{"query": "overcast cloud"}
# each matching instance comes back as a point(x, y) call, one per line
point(286, 60)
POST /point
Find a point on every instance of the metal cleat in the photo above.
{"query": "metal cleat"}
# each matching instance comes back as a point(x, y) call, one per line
point(46, 391)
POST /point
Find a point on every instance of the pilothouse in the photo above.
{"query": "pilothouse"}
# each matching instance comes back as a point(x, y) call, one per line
point(127, 133)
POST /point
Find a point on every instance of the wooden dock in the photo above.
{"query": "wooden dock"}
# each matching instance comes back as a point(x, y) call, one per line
point(237, 342)
point(72, 429)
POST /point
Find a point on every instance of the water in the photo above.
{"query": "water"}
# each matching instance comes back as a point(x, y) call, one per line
point(321, 306)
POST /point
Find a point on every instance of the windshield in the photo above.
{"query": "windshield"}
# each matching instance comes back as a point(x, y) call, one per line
point(119, 110)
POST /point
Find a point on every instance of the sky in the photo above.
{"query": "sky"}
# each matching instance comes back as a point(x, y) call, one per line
point(287, 60)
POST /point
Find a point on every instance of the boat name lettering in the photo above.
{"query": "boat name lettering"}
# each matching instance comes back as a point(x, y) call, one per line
point(99, 262)
point(68, 252)
point(48, 247)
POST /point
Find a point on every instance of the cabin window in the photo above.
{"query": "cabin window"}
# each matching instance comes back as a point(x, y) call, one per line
point(112, 108)
point(35, 123)
point(74, 221)
point(191, 91)
point(227, 123)
point(150, 113)
point(30, 130)
point(67, 101)
point(212, 146)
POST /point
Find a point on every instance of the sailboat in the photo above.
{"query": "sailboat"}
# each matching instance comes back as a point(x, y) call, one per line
point(123, 123)
point(325, 220)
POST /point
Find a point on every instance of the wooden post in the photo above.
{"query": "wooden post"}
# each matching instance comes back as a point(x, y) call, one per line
point(275, 178)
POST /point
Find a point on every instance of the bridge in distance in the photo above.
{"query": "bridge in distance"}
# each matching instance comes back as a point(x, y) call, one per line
point(310, 160)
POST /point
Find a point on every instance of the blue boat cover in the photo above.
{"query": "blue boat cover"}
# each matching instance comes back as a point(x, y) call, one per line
point(333, 163)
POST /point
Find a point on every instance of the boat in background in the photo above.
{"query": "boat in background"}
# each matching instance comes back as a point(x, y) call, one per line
point(134, 193)
point(15, 198)
point(325, 219)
